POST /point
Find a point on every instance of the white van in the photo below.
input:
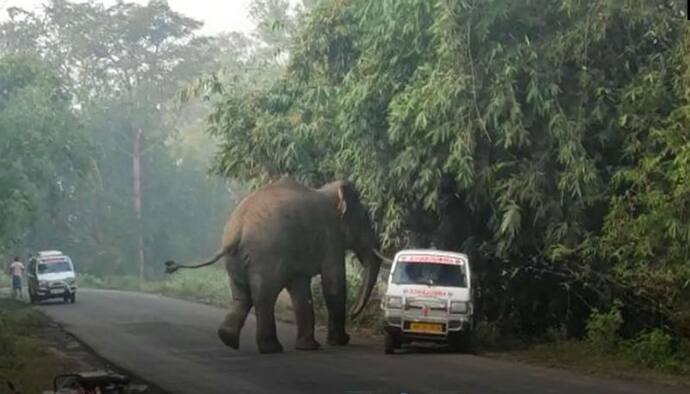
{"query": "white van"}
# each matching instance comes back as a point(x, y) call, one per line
point(428, 299)
point(51, 275)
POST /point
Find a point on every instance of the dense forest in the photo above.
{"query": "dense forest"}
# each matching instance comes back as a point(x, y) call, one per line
point(545, 138)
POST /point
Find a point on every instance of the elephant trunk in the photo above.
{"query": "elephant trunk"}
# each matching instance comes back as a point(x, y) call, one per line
point(372, 265)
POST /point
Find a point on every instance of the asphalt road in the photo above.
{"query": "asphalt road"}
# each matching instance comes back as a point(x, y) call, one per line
point(173, 344)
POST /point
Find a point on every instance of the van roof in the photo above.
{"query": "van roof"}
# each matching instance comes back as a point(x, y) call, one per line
point(47, 253)
point(431, 252)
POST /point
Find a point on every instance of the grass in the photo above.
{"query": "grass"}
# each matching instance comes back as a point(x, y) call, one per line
point(25, 358)
point(208, 286)
point(580, 356)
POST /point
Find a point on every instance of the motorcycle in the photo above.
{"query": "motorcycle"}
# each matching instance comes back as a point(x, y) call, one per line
point(97, 382)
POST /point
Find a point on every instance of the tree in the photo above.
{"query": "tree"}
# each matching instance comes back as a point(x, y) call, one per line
point(43, 151)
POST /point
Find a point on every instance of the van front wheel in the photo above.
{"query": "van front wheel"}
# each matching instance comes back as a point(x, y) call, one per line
point(73, 298)
point(391, 343)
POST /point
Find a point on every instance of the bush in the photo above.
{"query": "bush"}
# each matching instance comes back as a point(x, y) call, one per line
point(653, 349)
point(487, 334)
point(90, 281)
point(602, 329)
point(556, 334)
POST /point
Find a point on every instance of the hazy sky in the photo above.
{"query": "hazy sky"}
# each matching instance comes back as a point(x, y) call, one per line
point(217, 15)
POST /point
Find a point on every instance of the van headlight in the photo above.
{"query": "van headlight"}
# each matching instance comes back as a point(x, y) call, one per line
point(459, 307)
point(43, 283)
point(70, 281)
point(394, 302)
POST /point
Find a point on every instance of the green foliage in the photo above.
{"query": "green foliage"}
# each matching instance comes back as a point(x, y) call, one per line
point(43, 151)
point(652, 349)
point(209, 285)
point(487, 334)
point(602, 330)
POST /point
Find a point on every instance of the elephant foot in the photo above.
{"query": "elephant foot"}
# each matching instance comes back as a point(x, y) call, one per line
point(228, 338)
point(307, 344)
point(339, 340)
point(268, 347)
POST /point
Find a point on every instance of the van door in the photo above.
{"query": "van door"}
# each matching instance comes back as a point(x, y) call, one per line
point(32, 278)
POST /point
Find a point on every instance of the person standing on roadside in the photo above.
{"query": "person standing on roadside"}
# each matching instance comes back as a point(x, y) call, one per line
point(17, 271)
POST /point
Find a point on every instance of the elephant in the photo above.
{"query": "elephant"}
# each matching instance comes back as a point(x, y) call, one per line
point(281, 236)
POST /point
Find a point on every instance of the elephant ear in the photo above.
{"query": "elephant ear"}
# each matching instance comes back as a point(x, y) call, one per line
point(342, 200)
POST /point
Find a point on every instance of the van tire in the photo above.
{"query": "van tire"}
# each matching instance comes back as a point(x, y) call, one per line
point(390, 343)
point(73, 298)
point(32, 298)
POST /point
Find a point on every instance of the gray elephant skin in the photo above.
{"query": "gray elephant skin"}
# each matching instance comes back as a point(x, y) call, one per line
point(281, 236)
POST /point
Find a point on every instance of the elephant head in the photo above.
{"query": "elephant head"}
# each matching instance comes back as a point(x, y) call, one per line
point(359, 236)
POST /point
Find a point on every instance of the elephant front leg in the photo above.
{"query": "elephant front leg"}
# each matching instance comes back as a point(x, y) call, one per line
point(300, 294)
point(334, 292)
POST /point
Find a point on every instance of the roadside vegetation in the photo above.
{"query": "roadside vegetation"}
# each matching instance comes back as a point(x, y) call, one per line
point(652, 355)
point(207, 286)
point(26, 359)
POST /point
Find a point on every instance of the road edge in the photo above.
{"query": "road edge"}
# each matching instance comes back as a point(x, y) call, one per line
point(104, 359)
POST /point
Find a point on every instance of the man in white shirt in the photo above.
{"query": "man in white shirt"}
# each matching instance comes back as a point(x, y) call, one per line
point(17, 272)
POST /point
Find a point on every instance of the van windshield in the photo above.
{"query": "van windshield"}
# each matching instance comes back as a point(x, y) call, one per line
point(54, 267)
point(432, 274)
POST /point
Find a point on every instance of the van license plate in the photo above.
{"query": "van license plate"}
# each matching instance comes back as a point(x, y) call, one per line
point(57, 291)
point(429, 328)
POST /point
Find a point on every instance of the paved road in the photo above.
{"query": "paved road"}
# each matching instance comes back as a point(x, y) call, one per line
point(173, 344)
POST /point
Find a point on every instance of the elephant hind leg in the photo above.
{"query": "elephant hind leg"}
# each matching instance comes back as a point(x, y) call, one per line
point(264, 296)
point(300, 294)
point(229, 331)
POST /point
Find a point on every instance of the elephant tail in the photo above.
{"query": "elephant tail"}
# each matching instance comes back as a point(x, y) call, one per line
point(171, 266)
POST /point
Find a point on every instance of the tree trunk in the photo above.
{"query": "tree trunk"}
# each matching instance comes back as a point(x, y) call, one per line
point(136, 188)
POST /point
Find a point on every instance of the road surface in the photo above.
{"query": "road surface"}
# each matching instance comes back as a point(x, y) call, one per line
point(173, 344)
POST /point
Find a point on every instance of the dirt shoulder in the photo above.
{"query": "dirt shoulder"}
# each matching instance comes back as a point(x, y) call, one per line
point(35, 350)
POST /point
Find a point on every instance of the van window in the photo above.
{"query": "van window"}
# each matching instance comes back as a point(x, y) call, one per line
point(54, 267)
point(432, 274)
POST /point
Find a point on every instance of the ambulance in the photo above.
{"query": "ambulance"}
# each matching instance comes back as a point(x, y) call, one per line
point(51, 275)
point(428, 299)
